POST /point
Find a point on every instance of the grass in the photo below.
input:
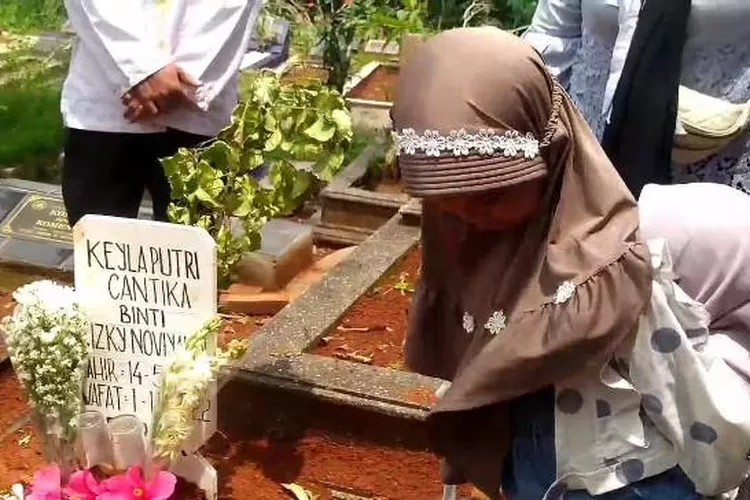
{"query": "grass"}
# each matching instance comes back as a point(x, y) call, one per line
point(32, 127)
point(29, 16)
point(30, 86)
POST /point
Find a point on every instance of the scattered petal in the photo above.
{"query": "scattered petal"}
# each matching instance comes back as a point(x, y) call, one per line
point(298, 491)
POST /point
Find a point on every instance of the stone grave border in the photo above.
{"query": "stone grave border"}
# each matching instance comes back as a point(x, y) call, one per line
point(367, 113)
point(350, 214)
point(277, 356)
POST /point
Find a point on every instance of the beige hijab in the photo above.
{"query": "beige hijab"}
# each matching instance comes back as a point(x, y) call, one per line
point(584, 242)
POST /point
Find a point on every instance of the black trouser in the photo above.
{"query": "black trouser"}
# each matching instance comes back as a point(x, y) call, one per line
point(107, 173)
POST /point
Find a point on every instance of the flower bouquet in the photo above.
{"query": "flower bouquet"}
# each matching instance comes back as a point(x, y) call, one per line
point(185, 382)
point(46, 338)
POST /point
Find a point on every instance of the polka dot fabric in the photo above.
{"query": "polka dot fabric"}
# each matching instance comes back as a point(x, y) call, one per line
point(674, 405)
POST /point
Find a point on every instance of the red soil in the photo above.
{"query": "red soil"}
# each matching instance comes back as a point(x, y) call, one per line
point(272, 438)
point(380, 85)
point(373, 330)
point(267, 438)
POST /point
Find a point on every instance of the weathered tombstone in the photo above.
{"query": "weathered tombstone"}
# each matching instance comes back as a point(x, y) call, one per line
point(39, 217)
point(144, 286)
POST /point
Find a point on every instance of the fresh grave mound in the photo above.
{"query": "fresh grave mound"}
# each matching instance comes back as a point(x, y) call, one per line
point(330, 451)
point(372, 332)
point(380, 85)
point(272, 438)
point(20, 451)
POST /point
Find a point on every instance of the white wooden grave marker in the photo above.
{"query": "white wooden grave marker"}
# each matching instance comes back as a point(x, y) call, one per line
point(144, 286)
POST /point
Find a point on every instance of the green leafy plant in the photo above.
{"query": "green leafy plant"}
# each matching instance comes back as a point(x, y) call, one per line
point(250, 173)
point(337, 23)
point(24, 16)
point(383, 166)
point(264, 31)
point(390, 22)
point(508, 14)
point(343, 23)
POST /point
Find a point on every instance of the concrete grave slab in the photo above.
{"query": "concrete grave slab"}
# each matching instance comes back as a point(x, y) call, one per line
point(286, 249)
point(366, 113)
point(277, 356)
point(34, 254)
point(350, 214)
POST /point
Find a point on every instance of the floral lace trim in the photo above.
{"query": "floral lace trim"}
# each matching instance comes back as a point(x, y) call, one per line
point(462, 143)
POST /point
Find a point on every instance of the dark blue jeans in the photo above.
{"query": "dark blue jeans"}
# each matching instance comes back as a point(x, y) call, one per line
point(532, 466)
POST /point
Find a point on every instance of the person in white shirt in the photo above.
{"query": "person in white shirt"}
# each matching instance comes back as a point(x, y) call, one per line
point(145, 79)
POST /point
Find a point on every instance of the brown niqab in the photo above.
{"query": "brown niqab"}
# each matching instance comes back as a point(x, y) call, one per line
point(585, 235)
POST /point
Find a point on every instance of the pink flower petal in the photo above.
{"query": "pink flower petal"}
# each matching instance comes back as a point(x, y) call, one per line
point(117, 484)
point(48, 479)
point(135, 475)
point(82, 486)
point(161, 486)
point(46, 484)
point(106, 495)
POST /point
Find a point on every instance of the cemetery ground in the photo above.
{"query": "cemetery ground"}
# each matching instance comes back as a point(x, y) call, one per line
point(269, 437)
point(322, 400)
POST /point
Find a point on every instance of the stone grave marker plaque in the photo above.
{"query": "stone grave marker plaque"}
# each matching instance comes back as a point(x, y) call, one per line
point(144, 286)
point(41, 218)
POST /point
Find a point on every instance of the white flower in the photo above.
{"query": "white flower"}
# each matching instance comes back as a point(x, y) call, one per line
point(49, 336)
point(530, 147)
point(468, 323)
point(203, 367)
point(16, 492)
point(496, 323)
point(433, 143)
point(407, 141)
point(485, 142)
point(460, 142)
point(46, 337)
point(185, 381)
point(564, 292)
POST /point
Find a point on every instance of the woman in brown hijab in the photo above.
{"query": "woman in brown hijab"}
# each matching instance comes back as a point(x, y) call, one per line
point(575, 362)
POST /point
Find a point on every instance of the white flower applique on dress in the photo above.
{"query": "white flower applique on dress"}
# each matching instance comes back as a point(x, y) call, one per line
point(564, 292)
point(496, 323)
point(468, 323)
